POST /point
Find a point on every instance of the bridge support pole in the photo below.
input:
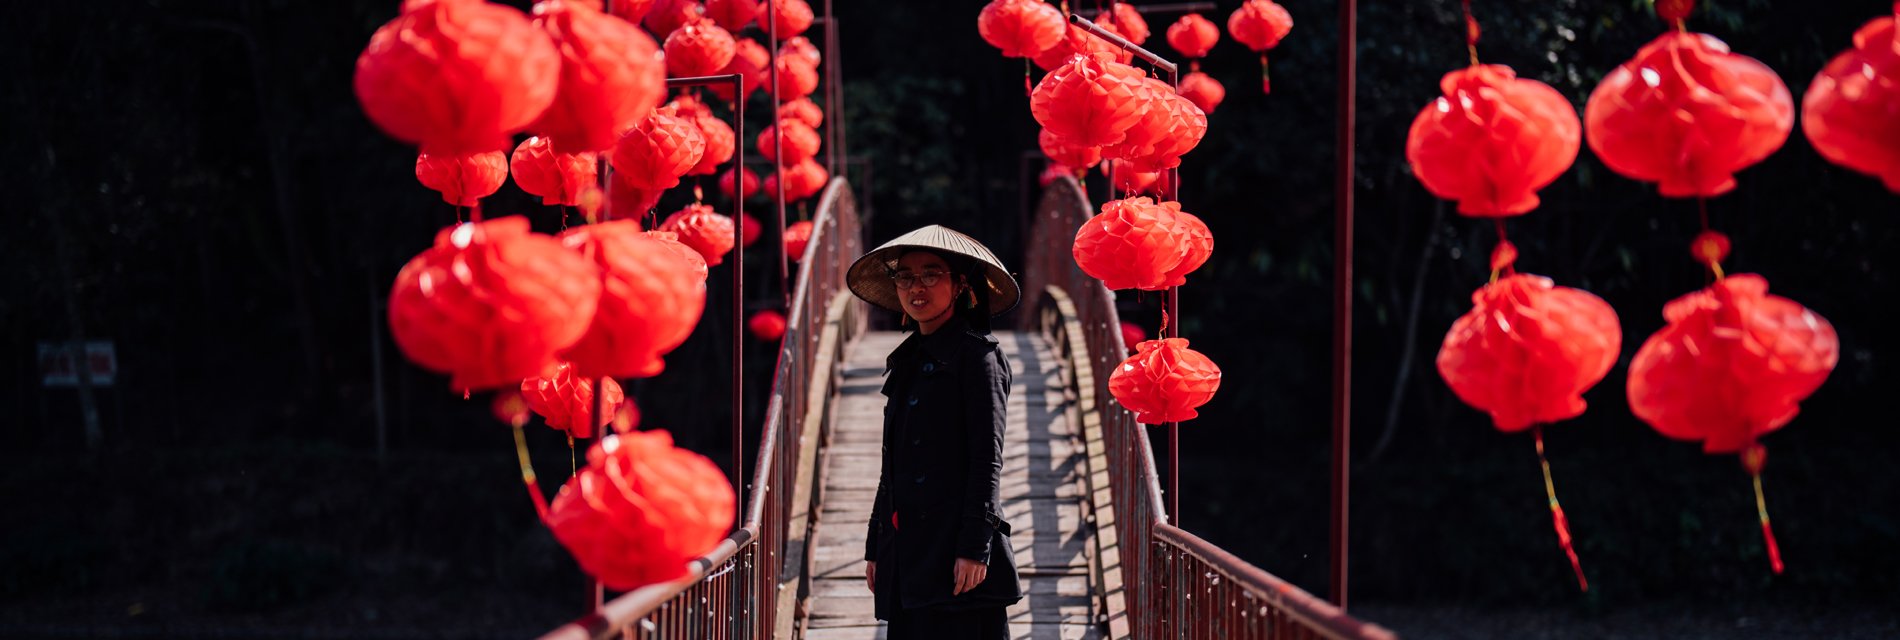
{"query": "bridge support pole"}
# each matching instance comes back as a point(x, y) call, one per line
point(1342, 300)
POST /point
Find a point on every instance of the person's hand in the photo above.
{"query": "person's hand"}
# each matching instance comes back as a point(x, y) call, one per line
point(870, 576)
point(969, 573)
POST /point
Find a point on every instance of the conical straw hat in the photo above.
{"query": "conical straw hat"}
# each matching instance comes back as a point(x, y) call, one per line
point(870, 276)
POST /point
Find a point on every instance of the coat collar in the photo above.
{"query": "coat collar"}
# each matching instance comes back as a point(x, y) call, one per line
point(941, 345)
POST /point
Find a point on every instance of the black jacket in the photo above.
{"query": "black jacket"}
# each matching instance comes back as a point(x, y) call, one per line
point(946, 398)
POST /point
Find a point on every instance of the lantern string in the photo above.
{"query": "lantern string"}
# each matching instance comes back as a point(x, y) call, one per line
point(1163, 331)
point(527, 476)
point(1471, 33)
point(1266, 81)
point(573, 466)
point(1767, 531)
point(1558, 521)
point(1027, 90)
point(475, 212)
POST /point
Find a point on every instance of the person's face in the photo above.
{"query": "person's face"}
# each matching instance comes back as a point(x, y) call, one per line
point(925, 285)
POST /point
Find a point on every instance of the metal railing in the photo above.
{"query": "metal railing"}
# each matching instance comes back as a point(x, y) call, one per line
point(1173, 584)
point(735, 590)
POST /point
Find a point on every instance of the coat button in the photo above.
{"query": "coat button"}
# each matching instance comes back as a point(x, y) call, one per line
point(929, 367)
point(916, 441)
point(913, 401)
point(919, 480)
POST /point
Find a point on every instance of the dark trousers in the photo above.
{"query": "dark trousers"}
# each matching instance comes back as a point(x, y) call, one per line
point(928, 624)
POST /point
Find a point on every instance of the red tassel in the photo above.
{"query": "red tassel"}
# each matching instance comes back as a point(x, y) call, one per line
point(1557, 519)
point(1752, 459)
point(1266, 81)
point(527, 476)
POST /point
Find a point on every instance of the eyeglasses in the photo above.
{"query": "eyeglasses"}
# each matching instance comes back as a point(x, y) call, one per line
point(928, 278)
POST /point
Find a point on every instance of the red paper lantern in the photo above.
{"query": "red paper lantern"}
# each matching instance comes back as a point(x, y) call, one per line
point(463, 179)
point(1171, 127)
point(649, 304)
point(801, 142)
point(1021, 28)
point(668, 16)
point(1078, 42)
point(456, 77)
point(797, 78)
point(631, 11)
point(611, 76)
point(1732, 365)
point(1132, 244)
point(732, 15)
point(720, 144)
point(1193, 36)
point(1851, 112)
point(1260, 24)
point(749, 229)
point(797, 235)
point(803, 110)
point(1527, 350)
point(1492, 140)
point(1091, 101)
point(767, 325)
point(1206, 92)
point(792, 17)
point(1148, 130)
point(559, 178)
point(658, 150)
point(1075, 158)
point(1164, 381)
point(1687, 114)
point(802, 180)
point(748, 183)
point(801, 47)
point(641, 510)
point(700, 48)
point(1199, 245)
point(1127, 21)
point(626, 200)
point(491, 303)
point(705, 230)
point(567, 401)
point(1132, 334)
point(694, 262)
point(749, 59)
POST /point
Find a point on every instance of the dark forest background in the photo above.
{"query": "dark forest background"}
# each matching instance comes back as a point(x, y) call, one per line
point(194, 181)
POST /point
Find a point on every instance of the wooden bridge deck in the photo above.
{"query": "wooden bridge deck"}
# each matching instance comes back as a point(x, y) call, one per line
point(1043, 494)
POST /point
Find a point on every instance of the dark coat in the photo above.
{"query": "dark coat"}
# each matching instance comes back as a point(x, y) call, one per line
point(947, 394)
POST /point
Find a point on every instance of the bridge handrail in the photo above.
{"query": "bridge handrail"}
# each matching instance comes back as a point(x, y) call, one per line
point(1173, 583)
point(733, 591)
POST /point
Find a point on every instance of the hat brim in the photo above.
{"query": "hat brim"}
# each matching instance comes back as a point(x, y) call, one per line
point(870, 276)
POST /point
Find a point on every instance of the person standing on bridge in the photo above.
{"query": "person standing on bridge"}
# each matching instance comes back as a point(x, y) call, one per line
point(937, 554)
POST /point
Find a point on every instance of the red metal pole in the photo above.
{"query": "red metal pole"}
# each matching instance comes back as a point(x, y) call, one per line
point(778, 167)
point(1342, 299)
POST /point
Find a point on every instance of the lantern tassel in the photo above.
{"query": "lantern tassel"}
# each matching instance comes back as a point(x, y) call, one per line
point(573, 466)
point(1753, 458)
point(1266, 81)
point(527, 476)
point(1026, 88)
point(1557, 519)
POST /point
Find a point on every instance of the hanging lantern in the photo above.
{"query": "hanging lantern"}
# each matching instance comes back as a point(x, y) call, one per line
point(1146, 131)
point(748, 183)
point(1132, 334)
point(801, 142)
point(720, 143)
point(698, 48)
point(1091, 101)
point(668, 16)
point(1164, 381)
point(1132, 244)
point(751, 61)
point(801, 47)
point(631, 11)
point(803, 110)
point(649, 304)
point(703, 229)
point(557, 177)
point(732, 15)
point(802, 180)
point(749, 229)
point(456, 77)
point(1193, 36)
point(658, 150)
point(793, 17)
point(1851, 112)
point(641, 510)
point(1687, 114)
point(1130, 180)
point(797, 235)
point(1075, 42)
point(491, 303)
point(694, 262)
point(1732, 365)
point(463, 179)
point(611, 75)
point(1183, 126)
point(797, 78)
point(1204, 91)
point(566, 401)
point(1020, 28)
point(1528, 349)
point(625, 200)
point(1127, 22)
point(1260, 24)
point(767, 325)
point(1492, 140)
point(1073, 158)
point(1199, 245)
